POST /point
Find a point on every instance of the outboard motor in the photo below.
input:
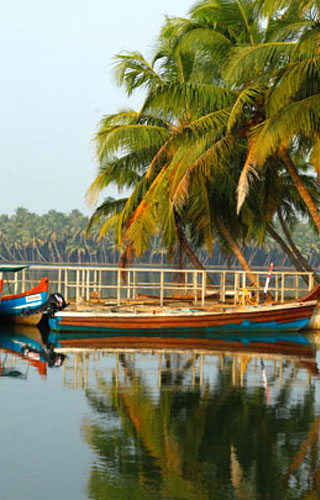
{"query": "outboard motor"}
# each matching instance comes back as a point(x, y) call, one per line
point(56, 302)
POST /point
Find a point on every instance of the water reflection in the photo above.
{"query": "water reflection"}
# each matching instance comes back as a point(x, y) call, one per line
point(235, 417)
point(25, 346)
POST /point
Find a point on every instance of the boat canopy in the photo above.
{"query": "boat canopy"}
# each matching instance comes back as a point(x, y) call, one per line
point(13, 269)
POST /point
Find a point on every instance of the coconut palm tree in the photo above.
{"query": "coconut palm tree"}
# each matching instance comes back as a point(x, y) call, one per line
point(156, 142)
point(285, 63)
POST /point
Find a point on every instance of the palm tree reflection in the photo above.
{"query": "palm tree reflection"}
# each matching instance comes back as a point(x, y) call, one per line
point(215, 440)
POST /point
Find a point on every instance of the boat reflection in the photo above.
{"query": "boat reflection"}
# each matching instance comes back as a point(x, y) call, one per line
point(297, 348)
point(232, 416)
point(236, 417)
point(19, 344)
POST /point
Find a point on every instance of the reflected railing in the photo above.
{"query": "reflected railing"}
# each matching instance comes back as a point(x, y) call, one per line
point(277, 360)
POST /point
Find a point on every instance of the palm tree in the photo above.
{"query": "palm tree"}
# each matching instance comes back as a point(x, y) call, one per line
point(285, 63)
point(155, 160)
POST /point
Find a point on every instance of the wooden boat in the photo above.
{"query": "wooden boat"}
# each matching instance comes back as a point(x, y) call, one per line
point(14, 306)
point(279, 317)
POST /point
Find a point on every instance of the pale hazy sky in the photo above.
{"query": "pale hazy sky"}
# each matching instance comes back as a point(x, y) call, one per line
point(56, 84)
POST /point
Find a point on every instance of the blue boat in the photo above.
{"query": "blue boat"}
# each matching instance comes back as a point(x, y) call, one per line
point(18, 308)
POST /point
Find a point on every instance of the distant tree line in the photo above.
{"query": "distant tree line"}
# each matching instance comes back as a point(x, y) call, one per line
point(55, 237)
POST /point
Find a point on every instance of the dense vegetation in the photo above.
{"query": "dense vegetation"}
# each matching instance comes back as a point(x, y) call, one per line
point(225, 148)
point(56, 237)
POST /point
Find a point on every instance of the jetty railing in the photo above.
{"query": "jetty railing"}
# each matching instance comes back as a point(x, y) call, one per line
point(118, 285)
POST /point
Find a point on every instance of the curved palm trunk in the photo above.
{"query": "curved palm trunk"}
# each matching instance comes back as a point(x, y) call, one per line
point(186, 247)
point(300, 258)
point(237, 252)
point(304, 193)
point(287, 250)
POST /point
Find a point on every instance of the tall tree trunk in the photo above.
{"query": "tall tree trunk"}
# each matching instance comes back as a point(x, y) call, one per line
point(186, 247)
point(295, 250)
point(287, 250)
point(237, 252)
point(304, 193)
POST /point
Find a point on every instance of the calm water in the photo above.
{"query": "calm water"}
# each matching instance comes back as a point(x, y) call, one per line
point(239, 419)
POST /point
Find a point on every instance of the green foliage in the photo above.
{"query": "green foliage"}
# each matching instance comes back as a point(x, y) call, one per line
point(231, 93)
point(57, 237)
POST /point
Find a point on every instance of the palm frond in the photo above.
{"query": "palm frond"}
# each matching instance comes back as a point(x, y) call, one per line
point(109, 225)
point(214, 123)
point(308, 44)
point(301, 117)
point(247, 100)
point(297, 80)
point(207, 41)
point(245, 63)
point(108, 208)
point(201, 212)
point(124, 173)
point(133, 71)
point(143, 223)
point(173, 99)
point(129, 138)
point(249, 172)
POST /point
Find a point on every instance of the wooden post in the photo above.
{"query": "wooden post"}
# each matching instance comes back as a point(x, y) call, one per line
point(134, 285)
point(194, 274)
point(59, 280)
point(88, 285)
point(77, 286)
point(311, 281)
point(161, 287)
point(244, 280)
point(282, 286)
point(236, 287)
point(297, 286)
point(66, 284)
point(118, 287)
point(223, 286)
point(95, 280)
point(203, 289)
point(100, 283)
point(128, 285)
point(277, 287)
point(82, 281)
